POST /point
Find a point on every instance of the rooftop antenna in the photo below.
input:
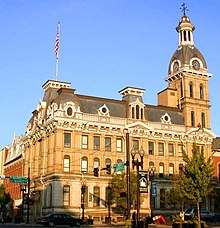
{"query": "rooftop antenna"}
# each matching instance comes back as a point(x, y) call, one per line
point(184, 8)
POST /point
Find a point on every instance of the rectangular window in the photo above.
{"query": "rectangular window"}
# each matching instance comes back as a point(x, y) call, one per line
point(107, 144)
point(151, 148)
point(67, 139)
point(84, 141)
point(161, 149)
point(136, 144)
point(180, 150)
point(171, 149)
point(96, 197)
point(66, 195)
point(119, 145)
point(96, 143)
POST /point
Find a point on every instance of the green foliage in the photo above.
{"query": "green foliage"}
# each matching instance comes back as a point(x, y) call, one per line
point(118, 185)
point(4, 199)
point(194, 182)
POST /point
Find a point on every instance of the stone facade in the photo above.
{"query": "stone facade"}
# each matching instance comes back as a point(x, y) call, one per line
point(70, 134)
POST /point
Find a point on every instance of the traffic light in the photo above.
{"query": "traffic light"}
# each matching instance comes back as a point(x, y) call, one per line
point(96, 172)
point(108, 169)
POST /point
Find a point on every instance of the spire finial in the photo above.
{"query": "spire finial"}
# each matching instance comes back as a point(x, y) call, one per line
point(184, 8)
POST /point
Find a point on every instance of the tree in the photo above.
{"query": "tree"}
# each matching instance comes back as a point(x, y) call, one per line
point(4, 199)
point(194, 182)
point(119, 191)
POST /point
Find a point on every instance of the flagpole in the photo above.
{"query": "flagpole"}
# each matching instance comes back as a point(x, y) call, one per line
point(57, 48)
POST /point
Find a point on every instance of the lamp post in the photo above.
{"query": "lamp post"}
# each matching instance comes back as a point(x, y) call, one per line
point(137, 163)
point(151, 171)
point(83, 191)
point(22, 189)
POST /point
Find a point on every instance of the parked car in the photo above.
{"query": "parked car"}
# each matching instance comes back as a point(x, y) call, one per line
point(59, 219)
point(204, 214)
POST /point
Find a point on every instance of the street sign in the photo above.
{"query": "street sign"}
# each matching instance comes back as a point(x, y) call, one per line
point(119, 167)
point(153, 190)
point(16, 179)
point(2, 177)
point(143, 183)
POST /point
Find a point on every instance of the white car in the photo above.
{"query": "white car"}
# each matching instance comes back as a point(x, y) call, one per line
point(204, 214)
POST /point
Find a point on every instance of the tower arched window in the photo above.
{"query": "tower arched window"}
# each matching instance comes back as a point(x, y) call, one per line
point(189, 35)
point(201, 92)
point(185, 35)
point(132, 114)
point(192, 118)
point(203, 119)
point(137, 112)
point(191, 89)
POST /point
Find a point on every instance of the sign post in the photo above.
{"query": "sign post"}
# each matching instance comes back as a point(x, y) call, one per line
point(143, 183)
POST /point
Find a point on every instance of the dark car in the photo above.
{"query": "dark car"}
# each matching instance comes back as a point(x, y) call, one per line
point(204, 214)
point(59, 219)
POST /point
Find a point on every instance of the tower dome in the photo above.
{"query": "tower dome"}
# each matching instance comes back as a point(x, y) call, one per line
point(187, 56)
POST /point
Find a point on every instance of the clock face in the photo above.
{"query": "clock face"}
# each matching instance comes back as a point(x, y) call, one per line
point(195, 64)
point(176, 66)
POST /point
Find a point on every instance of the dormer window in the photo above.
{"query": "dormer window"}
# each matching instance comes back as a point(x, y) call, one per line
point(137, 112)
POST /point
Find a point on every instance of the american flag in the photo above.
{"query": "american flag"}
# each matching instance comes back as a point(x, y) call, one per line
point(57, 40)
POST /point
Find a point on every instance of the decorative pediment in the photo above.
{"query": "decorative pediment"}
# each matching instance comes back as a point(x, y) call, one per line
point(138, 128)
point(200, 134)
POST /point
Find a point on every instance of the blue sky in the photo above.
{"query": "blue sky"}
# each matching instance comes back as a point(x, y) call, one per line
point(105, 45)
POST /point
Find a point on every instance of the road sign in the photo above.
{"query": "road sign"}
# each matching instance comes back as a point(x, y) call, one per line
point(153, 190)
point(143, 183)
point(119, 167)
point(16, 179)
point(2, 177)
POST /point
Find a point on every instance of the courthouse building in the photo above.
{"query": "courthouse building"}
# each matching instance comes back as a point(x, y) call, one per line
point(70, 134)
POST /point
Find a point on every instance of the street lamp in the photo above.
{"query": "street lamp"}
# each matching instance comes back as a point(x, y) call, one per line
point(137, 163)
point(83, 191)
point(22, 189)
point(151, 171)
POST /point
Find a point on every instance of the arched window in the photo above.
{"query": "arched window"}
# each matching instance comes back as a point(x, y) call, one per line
point(108, 194)
point(162, 198)
point(185, 36)
point(201, 92)
point(180, 168)
point(84, 166)
point(191, 89)
point(137, 112)
point(96, 163)
point(84, 196)
point(189, 35)
point(203, 119)
point(192, 119)
point(151, 164)
point(66, 163)
point(96, 197)
point(132, 110)
point(161, 169)
point(66, 195)
point(171, 169)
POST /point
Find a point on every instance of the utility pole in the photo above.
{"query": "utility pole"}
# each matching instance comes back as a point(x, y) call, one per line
point(28, 195)
point(128, 176)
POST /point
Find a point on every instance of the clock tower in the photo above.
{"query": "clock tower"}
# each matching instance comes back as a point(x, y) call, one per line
point(188, 80)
